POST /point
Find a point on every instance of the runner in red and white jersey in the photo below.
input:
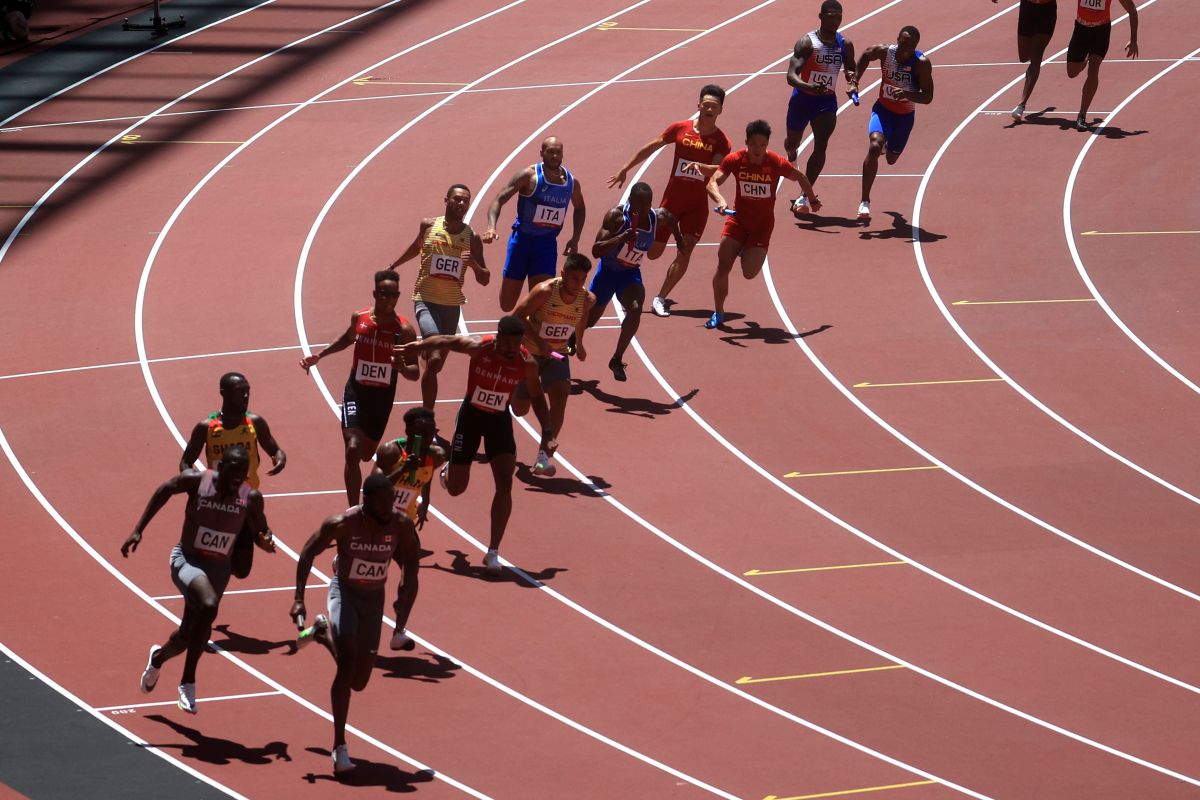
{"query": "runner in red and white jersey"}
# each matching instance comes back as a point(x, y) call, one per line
point(697, 142)
point(371, 388)
point(747, 232)
point(499, 364)
point(1089, 46)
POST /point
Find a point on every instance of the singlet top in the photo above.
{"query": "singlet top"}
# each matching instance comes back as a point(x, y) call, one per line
point(1094, 13)
point(687, 184)
point(210, 523)
point(756, 183)
point(373, 343)
point(218, 439)
point(364, 550)
point(444, 259)
point(898, 76)
point(544, 212)
point(824, 63)
point(629, 255)
point(411, 483)
point(556, 320)
point(492, 380)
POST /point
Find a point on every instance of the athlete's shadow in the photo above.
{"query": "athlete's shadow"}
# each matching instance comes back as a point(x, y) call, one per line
point(212, 750)
point(416, 668)
point(1067, 123)
point(814, 222)
point(565, 486)
point(755, 332)
point(465, 567)
point(372, 773)
point(239, 643)
point(902, 229)
point(635, 406)
point(696, 313)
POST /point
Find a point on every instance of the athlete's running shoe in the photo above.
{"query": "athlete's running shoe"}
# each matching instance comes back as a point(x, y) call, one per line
point(401, 641)
point(491, 562)
point(1018, 113)
point(618, 369)
point(313, 632)
point(800, 206)
point(1081, 123)
point(659, 306)
point(187, 697)
point(715, 320)
point(442, 476)
point(150, 674)
point(543, 466)
point(341, 760)
point(864, 211)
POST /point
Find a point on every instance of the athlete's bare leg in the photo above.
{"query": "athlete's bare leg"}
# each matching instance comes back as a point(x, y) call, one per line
point(752, 261)
point(510, 292)
point(728, 250)
point(1090, 83)
point(678, 268)
point(822, 128)
point(429, 377)
point(632, 299)
point(1031, 50)
point(202, 603)
point(656, 250)
point(557, 394)
point(503, 468)
point(458, 476)
point(359, 448)
point(791, 143)
point(343, 681)
point(871, 164)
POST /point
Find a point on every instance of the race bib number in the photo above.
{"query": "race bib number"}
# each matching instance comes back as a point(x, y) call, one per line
point(217, 543)
point(362, 571)
point(489, 400)
point(445, 266)
point(688, 170)
point(373, 373)
point(555, 332)
point(629, 256)
point(754, 189)
point(404, 498)
point(1093, 5)
point(550, 216)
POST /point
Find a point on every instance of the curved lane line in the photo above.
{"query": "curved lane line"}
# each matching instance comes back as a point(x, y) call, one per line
point(1068, 229)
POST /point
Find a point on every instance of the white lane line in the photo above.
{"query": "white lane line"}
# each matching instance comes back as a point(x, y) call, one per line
point(152, 361)
point(1069, 230)
point(130, 735)
point(257, 591)
point(152, 388)
point(992, 365)
point(165, 703)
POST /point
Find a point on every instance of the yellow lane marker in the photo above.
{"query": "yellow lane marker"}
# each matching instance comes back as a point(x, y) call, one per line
point(846, 792)
point(1133, 233)
point(755, 572)
point(856, 472)
point(1020, 302)
point(135, 138)
point(364, 81)
point(744, 681)
point(869, 385)
point(608, 26)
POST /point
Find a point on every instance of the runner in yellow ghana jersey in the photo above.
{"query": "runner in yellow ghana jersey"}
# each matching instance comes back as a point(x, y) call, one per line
point(447, 246)
point(411, 473)
point(234, 424)
point(555, 311)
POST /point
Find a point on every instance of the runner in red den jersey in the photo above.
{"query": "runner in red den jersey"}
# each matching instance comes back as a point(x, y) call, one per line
point(498, 365)
point(697, 141)
point(1089, 46)
point(371, 387)
point(748, 228)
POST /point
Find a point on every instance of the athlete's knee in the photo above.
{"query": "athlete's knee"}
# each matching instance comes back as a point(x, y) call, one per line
point(892, 158)
point(362, 674)
point(520, 407)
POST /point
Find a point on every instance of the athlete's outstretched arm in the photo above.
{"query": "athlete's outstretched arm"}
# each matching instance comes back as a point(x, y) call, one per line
point(517, 183)
point(1131, 49)
point(582, 326)
point(456, 344)
point(195, 446)
point(415, 247)
point(258, 522)
point(872, 53)
point(478, 265)
point(641, 155)
point(806, 187)
point(318, 542)
point(272, 448)
point(714, 194)
point(342, 343)
point(848, 65)
point(578, 216)
point(407, 365)
point(186, 481)
point(607, 238)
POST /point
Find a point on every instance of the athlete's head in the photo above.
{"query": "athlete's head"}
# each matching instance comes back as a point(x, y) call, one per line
point(419, 421)
point(575, 270)
point(907, 41)
point(552, 152)
point(235, 392)
point(233, 468)
point(830, 16)
point(712, 101)
point(641, 197)
point(387, 291)
point(758, 135)
point(458, 200)
point(378, 497)
point(509, 333)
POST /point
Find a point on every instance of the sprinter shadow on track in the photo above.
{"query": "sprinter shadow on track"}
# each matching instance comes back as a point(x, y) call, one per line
point(820, 223)
point(1066, 122)
point(426, 670)
point(902, 229)
point(635, 406)
point(565, 486)
point(753, 332)
point(372, 773)
point(239, 643)
point(463, 566)
point(213, 750)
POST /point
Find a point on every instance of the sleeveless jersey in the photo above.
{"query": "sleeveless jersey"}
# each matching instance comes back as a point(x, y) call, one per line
point(492, 379)
point(1094, 13)
point(630, 254)
point(824, 63)
point(219, 438)
point(544, 212)
point(444, 258)
point(210, 523)
point(373, 343)
point(898, 76)
point(756, 184)
point(686, 184)
point(364, 551)
point(411, 483)
point(556, 320)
